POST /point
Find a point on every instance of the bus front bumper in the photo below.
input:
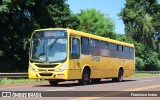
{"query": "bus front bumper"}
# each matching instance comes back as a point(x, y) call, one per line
point(47, 75)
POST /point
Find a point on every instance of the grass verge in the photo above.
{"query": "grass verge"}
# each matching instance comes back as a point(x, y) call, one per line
point(145, 74)
point(17, 80)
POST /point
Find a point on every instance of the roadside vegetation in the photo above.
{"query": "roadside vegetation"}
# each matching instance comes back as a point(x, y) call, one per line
point(18, 80)
point(145, 75)
point(20, 17)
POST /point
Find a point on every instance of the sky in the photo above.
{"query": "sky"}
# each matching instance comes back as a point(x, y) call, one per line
point(110, 7)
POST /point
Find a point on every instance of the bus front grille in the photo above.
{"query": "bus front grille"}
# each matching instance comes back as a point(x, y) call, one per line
point(45, 74)
point(46, 66)
point(43, 70)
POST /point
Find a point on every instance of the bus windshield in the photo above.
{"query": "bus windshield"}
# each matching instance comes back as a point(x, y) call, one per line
point(49, 47)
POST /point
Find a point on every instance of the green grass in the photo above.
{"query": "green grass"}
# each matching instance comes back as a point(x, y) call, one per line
point(17, 80)
point(145, 74)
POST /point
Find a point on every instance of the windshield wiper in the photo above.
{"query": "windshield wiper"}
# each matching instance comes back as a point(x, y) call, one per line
point(54, 42)
point(39, 61)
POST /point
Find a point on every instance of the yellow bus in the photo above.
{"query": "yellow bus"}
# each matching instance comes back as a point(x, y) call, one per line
point(58, 54)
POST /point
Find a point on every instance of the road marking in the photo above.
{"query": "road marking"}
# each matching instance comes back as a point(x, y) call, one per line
point(61, 89)
point(14, 87)
point(115, 93)
point(147, 80)
point(143, 88)
point(102, 95)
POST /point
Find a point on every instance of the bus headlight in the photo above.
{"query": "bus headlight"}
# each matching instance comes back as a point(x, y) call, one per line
point(62, 68)
point(32, 68)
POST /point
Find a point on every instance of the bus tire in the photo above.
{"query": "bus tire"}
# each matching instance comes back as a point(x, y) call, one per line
point(85, 78)
point(53, 83)
point(96, 81)
point(120, 76)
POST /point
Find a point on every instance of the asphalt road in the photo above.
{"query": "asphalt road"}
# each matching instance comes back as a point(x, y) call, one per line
point(135, 88)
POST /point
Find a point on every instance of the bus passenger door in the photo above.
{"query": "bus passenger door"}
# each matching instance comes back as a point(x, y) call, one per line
point(74, 63)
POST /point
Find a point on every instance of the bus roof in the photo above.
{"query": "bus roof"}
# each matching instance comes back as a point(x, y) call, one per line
point(75, 32)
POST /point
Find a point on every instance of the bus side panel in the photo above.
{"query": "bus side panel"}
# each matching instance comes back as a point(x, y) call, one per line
point(95, 67)
point(86, 60)
point(132, 67)
point(126, 67)
point(120, 63)
point(114, 68)
point(74, 71)
point(106, 68)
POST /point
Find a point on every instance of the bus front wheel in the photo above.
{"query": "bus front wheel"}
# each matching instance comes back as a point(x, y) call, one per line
point(85, 78)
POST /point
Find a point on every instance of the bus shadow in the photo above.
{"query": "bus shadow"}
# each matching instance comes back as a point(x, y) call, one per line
point(64, 84)
point(59, 85)
point(110, 81)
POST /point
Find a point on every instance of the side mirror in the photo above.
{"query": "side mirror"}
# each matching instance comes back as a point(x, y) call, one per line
point(25, 44)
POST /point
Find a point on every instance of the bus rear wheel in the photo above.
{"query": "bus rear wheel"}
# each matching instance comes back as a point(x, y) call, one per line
point(120, 77)
point(85, 78)
point(53, 83)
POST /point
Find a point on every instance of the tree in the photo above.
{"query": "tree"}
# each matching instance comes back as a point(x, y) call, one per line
point(138, 16)
point(139, 64)
point(96, 22)
point(156, 24)
point(142, 22)
point(18, 20)
point(146, 58)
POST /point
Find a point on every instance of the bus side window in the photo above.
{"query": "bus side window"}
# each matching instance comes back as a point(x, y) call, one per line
point(85, 45)
point(126, 52)
point(132, 53)
point(113, 50)
point(104, 48)
point(120, 51)
point(94, 47)
point(75, 48)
